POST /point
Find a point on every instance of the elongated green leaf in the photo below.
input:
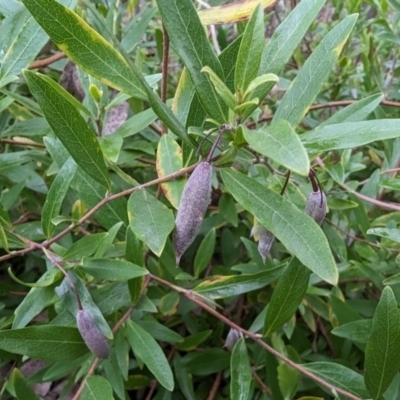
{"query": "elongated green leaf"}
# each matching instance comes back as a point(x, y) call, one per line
point(339, 376)
point(36, 300)
point(287, 296)
point(350, 134)
point(382, 354)
point(116, 270)
point(22, 388)
point(190, 42)
point(97, 388)
point(296, 230)
point(205, 252)
point(157, 224)
point(240, 372)
point(136, 123)
point(49, 343)
point(219, 287)
point(356, 331)
point(313, 74)
point(169, 160)
point(355, 112)
point(4, 217)
point(55, 197)
point(84, 46)
point(391, 234)
point(84, 247)
point(70, 128)
point(283, 43)
point(148, 350)
point(281, 143)
point(21, 43)
point(250, 51)
point(160, 108)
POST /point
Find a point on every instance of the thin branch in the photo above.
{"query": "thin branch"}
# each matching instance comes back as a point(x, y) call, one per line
point(47, 61)
point(383, 204)
point(215, 386)
point(48, 243)
point(190, 296)
point(386, 171)
point(341, 103)
point(261, 383)
point(22, 143)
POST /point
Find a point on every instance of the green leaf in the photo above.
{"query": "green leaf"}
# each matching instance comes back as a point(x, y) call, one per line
point(148, 350)
point(350, 134)
point(308, 82)
point(382, 354)
point(4, 217)
point(190, 42)
point(280, 142)
point(219, 287)
point(259, 82)
point(240, 372)
point(204, 253)
point(134, 253)
point(169, 160)
point(355, 112)
point(297, 231)
point(193, 341)
point(220, 87)
point(97, 388)
point(284, 41)
point(21, 43)
point(339, 376)
point(160, 332)
point(207, 362)
point(84, 247)
point(36, 300)
point(21, 386)
point(387, 233)
point(113, 270)
point(69, 127)
point(250, 51)
point(157, 224)
point(287, 296)
point(49, 343)
point(56, 195)
point(136, 123)
point(84, 46)
point(356, 331)
point(47, 279)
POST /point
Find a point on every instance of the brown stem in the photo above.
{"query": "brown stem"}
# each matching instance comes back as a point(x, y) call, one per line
point(22, 143)
point(47, 61)
point(48, 243)
point(215, 386)
point(190, 296)
point(261, 383)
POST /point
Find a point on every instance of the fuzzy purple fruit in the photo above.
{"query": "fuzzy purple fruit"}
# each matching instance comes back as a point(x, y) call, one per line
point(316, 206)
point(192, 208)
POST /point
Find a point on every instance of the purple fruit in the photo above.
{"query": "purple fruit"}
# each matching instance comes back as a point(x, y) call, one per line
point(265, 242)
point(192, 208)
point(91, 335)
point(316, 206)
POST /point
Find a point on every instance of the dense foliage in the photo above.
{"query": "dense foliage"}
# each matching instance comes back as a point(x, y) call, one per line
point(165, 173)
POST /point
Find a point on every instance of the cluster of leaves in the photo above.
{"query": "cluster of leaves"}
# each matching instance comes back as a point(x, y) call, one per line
point(92, 171)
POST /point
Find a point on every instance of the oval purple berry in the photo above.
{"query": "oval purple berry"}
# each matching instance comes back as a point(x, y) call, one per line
point(91, 335)
point(192, 208)
point(316, 206)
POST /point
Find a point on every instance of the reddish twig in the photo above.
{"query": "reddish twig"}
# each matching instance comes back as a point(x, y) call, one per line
point(47, 61)
point(215, 386)
point(193, 298)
